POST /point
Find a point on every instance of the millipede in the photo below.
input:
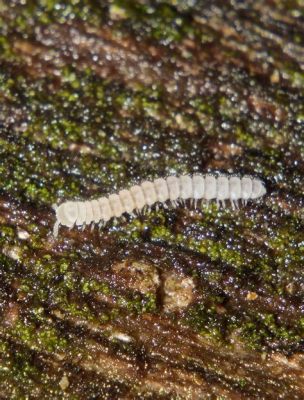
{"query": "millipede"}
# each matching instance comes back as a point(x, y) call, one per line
point(173, 190)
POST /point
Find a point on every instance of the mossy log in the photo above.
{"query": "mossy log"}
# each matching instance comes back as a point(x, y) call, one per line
point(171, 304)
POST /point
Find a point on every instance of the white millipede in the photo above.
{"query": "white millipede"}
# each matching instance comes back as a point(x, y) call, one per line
point(173, 189)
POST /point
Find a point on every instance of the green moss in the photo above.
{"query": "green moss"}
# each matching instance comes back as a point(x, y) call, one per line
point(138, 303)
point(264, 328)
point(202, 105)
point(227, 108)
point(50, 340)
point(75, 311)
point(92, 286)
point(44, 338)
point(7, 232)
point(17, 371)
point(6, 51)
point(245, 138)
point(76, 135)
point(134, 303)
point(48, 11)
point(300, 117)
point(205, 320)
point(161, 232)
point(218, 251)
point(256, 330)
point(61, 128)
point(296, 78)
point(161, 22)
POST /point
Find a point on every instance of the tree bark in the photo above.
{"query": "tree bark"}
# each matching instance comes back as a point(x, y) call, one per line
point(175, 303)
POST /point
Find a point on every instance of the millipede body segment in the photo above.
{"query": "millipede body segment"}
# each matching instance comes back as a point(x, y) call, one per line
point(173, 189)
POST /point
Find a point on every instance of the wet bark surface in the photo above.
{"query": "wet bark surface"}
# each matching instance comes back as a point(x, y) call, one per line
point(175, 303)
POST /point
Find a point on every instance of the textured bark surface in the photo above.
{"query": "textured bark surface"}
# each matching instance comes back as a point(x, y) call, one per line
point(173, 304)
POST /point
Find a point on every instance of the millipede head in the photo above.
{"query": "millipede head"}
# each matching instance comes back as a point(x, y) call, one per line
point(66, 214)
point(258, 189)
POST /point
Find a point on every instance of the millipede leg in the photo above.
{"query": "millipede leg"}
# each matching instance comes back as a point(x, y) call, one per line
point(56, 229)
point(173, 204)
